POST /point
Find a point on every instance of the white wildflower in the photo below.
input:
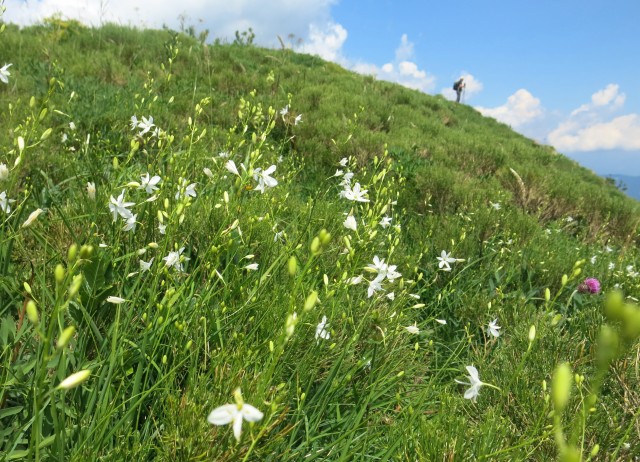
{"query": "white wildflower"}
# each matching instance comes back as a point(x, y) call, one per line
point(234, 414)
point(321, 330)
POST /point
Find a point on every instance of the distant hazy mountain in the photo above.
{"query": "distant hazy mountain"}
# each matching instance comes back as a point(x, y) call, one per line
point(629, 184)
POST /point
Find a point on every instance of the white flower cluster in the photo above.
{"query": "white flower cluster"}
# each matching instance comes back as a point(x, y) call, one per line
point(351, 192)
point(145, 125)
point(263, 177)
point(383, 272)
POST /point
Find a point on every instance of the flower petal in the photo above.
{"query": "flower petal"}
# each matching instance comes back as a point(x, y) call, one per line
point(471, 393)
point(251, 414)
point(237, 425)
point(223, 415)
point(473, 373)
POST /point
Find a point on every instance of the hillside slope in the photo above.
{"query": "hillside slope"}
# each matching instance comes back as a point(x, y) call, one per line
point(453, 155)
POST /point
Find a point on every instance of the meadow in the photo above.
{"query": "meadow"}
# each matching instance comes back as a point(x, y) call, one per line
point(224, 252)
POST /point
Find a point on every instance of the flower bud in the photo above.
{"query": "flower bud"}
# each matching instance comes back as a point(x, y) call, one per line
point(569, 454)
point(32, 312)
point(347, 242)
point(91, 190)
point(59, 273)
point(292, 266)
point(613, 305)
point(547, 294)
point(65, 337)
point(290, 324)
point(561, 386)
point(311, 300)
point(45, 134)
point(237, 396)
point(315, 246)
point(73, 253)
point(630, 322)
point(607, 346)
point(74, 380)
point(86, 251)
point(33, 216)
point(325, 237)
point(532, 333)
point(75, 285)
point(565, 278)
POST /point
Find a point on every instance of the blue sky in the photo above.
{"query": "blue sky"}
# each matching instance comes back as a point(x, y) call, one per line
point(563, 72)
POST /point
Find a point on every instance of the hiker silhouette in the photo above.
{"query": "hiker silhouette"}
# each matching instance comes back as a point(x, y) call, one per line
point(458, 86)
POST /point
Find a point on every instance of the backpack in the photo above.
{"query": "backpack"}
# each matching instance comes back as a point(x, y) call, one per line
point(456, 85)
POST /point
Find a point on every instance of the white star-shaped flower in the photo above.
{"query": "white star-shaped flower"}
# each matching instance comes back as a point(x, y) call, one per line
point(355, 194)
point(4, 172)
point(413, 329)
point(120, 207)
point(264, 179)
point(5, 202)
point(130, 224)
point(149, 183)
point(386, 221)
point(321, 330)
point(175, 259)
point(145, 125)
point(4, 73)
point(475, 383)
point(234, 414)
point(186, 189)
point(350, 223)
point(444, 260)
point(145, 265)
point(494, 328)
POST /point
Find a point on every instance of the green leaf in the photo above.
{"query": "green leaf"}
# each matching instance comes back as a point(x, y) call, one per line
point(10, 411)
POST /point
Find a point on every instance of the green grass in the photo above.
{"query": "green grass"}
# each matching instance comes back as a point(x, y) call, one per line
point(194, 328)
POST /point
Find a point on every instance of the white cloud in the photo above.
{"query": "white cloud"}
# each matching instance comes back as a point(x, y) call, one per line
point(364, 68)
point(607, 97)
point(326, 41)
point(520, 109)
point(404, 52)
point(472, 87)
point(221, 17)
point(402, 70)
point(622, 132)
point(591, 126)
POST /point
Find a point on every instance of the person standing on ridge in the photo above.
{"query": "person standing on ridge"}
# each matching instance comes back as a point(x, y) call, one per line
point(458, 86)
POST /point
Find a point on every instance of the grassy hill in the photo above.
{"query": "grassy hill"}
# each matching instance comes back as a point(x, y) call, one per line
point(229, 243)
